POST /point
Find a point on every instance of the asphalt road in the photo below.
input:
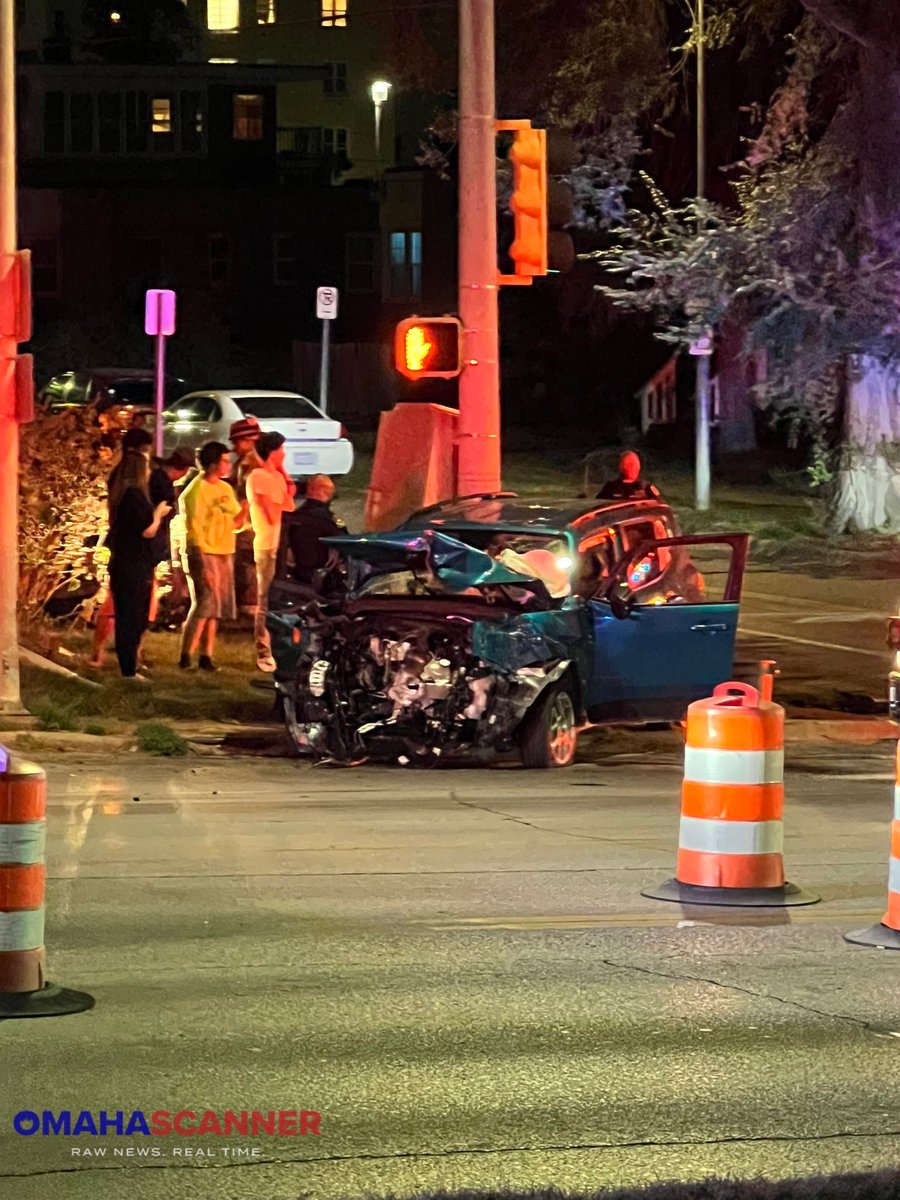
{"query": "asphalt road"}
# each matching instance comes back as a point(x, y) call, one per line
point(828, 635)
point(457, 970)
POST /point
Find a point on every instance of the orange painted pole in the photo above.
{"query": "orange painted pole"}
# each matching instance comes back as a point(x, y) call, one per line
point(479, 383)
point(10, 700)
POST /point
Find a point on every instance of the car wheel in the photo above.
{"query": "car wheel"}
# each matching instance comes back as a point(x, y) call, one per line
point(548, 736)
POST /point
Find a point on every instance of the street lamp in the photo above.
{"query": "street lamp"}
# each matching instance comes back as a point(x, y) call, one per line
point(379, 91)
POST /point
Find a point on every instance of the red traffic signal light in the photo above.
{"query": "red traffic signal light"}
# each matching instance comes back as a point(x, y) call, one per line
point(529, 201)
point(428, 347)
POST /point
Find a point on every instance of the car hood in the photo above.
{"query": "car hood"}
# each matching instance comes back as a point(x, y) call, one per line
point(457, 565)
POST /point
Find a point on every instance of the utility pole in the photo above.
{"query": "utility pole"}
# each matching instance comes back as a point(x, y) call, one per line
point(479, 383)
point(702, 413)
point(10, 699)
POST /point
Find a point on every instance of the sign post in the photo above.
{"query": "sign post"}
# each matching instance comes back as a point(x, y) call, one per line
point(326, 311)
point(159, 322)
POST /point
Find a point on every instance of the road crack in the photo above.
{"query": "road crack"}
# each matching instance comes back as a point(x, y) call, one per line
point(495, 812)
point(857, 1022)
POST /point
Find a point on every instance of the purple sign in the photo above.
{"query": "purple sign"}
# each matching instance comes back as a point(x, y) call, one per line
point(159, 312)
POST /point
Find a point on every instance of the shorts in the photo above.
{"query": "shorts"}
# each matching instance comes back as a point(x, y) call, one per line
point(211, 579)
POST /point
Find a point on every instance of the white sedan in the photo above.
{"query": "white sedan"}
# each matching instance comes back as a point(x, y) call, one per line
point(314, 443)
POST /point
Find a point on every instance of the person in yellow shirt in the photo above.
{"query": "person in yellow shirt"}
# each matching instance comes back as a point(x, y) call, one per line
point(212, 516)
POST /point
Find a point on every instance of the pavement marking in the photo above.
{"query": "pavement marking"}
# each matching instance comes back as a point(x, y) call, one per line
point(784, 637)
point(711, 916)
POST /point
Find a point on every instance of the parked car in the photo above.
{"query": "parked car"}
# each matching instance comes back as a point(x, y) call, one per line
point(107, 387)
point(314, 443)
point(489, 622)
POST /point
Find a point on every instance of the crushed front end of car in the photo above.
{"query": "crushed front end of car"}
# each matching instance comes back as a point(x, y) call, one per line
point(435, 649)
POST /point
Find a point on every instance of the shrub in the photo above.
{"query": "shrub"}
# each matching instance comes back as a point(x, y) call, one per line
point(155, 738)
point(54, 717)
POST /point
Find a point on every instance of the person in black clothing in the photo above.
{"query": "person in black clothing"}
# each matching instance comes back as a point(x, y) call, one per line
point(164, 474)
point(303, 529)
point(629, 485)
point(133, 524)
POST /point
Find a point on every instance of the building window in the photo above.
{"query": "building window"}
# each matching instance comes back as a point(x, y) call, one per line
point(191, 121)
point(109, 109)
point(359, 255)
point(303, 142)
point(265, 12)
point(81, 122)
point(45, 266)
point(161, 114)
point(248, 118)
point(219, 258)
point(223, 16)
point(334, 13)
point(54, 122)
point(334, 142)
point(335, 82)
point(406, 265)
point(286, 258)
point(137, 121)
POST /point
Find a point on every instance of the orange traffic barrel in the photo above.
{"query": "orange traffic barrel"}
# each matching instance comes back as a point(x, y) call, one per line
point(24, 990)
point(886, 934)
point(731, 838)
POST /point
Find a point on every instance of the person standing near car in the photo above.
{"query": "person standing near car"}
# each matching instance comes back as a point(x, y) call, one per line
point(270, 498)
point(243, 436)
point(212, 516)
point(305, 528)
point(629, 485)
point(133, 524)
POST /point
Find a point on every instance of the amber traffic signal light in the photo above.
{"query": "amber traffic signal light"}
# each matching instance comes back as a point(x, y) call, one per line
point(428, 347)
point(528, 156)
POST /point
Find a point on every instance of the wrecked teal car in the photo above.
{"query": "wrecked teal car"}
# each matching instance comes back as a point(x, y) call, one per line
point(486, 624)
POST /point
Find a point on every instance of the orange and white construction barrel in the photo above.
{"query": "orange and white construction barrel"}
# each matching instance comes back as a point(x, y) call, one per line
point(886, 934)
point(731, 837)
point(24, 991)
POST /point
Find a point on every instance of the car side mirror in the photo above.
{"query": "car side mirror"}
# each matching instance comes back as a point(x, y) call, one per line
point(621, 605)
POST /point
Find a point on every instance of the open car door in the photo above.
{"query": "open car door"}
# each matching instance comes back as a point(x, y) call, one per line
point(664, 626)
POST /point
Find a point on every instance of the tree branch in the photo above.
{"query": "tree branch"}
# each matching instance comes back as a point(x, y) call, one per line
point(843, 16)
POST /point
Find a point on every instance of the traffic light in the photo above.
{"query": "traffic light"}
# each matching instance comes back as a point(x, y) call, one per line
point(528, 203)
point(428, 347)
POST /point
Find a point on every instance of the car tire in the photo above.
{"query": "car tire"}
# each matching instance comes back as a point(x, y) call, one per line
point(548, 737)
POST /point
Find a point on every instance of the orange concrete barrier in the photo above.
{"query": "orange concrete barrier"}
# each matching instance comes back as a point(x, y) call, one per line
point(886, 934)
point(731, 838)
point(24, 990)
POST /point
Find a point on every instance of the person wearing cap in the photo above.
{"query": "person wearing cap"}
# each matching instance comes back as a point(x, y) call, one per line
point(243, 436)
point(629, 485)
point(270, 498)
point(164, 473)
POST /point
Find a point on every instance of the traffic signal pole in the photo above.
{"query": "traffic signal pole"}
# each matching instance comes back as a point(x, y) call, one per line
point(479, 383)
point(10, 701)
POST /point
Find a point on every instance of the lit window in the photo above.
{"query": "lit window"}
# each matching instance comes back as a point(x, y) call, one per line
point(223, 15)
point(286, 258)
point(334, 13)
point(335, 82)
point(161, 114)
point(334, 142)
point(360, 262)
point(248, 118)
point(265, 12)
point(406, 264)
point(219, 258)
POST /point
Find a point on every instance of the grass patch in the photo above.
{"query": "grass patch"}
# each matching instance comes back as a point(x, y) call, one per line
point(96, 730)
point(155, 738)
point(54, 717)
